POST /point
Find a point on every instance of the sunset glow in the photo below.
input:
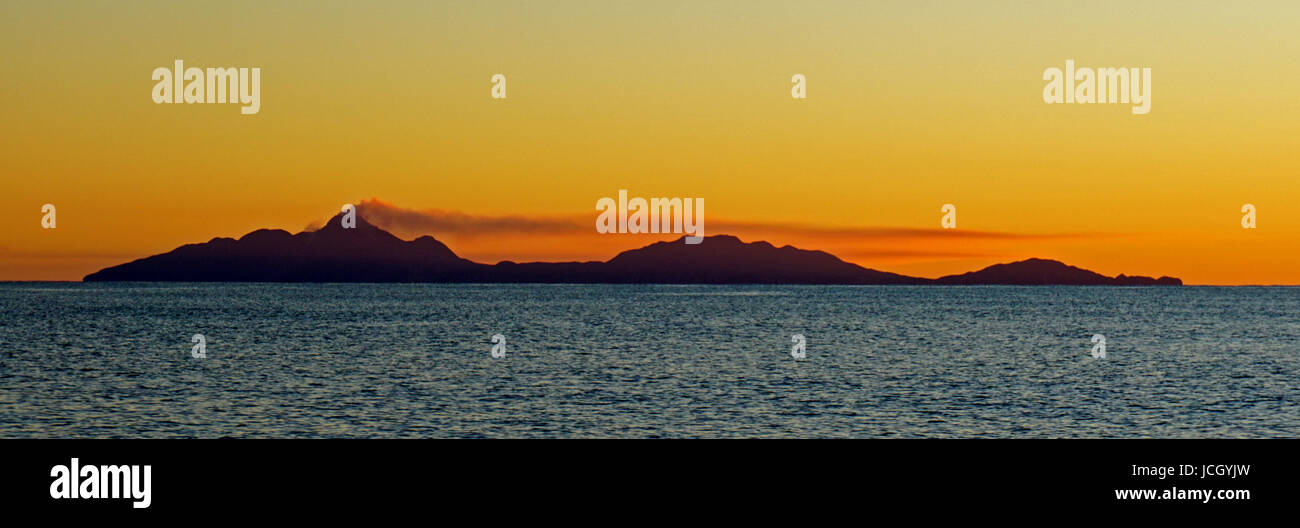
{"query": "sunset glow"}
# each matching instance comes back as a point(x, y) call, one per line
point(390, 105)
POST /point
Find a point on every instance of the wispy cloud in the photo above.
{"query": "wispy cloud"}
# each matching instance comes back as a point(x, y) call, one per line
point(851, 254)
point(439, 222)
point(882, 233)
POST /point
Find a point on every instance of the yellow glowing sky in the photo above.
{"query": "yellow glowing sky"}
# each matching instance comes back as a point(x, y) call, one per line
point(910, 105)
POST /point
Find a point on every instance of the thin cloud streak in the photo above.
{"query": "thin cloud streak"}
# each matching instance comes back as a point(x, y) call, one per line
point(437, 222)
point(879, 233)
point(440, 222)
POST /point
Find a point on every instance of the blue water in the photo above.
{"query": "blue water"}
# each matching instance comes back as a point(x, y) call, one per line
point(336, 360)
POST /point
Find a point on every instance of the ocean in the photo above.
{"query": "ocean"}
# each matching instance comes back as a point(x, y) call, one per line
point(110, 360)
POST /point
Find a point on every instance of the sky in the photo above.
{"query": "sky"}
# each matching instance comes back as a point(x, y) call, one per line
point(910, 105)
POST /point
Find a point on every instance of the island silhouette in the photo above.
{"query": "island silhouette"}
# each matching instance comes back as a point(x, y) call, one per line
point(366, 253)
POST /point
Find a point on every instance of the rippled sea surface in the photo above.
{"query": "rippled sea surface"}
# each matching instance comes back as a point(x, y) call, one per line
point(414, 360)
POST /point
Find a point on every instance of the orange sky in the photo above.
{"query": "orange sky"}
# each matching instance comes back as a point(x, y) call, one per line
point(910, 105)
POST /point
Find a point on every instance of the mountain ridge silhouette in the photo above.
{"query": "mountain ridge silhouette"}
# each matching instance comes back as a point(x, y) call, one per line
point(367, 253)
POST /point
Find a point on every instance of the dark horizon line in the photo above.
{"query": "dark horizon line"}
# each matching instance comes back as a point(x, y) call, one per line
point(83, 281)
